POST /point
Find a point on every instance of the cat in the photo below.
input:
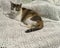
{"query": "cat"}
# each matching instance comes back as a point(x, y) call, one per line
point(29, 17)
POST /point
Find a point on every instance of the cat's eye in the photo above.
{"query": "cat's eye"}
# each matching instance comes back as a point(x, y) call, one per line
point(12, 8)
point(17, 9)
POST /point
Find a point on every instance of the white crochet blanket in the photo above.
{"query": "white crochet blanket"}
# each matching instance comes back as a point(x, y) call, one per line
point(12, 35)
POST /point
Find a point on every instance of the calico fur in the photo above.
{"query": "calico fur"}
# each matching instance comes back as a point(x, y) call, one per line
point(29, 15)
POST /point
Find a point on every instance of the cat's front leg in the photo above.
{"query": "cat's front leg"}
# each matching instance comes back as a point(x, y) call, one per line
point(23, 21)
point(22, 24)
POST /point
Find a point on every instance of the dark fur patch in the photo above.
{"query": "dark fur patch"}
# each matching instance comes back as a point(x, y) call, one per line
point(23, 8)
point(31, 30)
point(26, 12)
point(36, 18)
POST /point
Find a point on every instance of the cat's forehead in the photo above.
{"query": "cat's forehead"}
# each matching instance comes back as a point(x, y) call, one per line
point(17, 5)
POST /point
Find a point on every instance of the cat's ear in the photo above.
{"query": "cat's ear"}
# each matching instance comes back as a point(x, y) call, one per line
point(12, 3)
point(20, 4)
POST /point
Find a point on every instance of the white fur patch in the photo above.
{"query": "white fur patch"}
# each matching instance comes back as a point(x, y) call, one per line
point(30, 22)
point(19, 16)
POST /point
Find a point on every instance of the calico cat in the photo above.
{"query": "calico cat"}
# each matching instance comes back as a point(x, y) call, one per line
point(29, 17)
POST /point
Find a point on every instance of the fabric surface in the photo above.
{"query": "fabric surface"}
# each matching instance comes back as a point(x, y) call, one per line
point(12, 35)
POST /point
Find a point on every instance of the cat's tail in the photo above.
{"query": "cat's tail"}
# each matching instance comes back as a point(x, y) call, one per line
point(36, 28)
point(31, 30)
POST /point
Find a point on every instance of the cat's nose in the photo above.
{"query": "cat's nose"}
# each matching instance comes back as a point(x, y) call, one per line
point(17, 9)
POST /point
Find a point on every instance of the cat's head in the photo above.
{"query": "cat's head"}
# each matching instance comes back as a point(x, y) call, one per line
point(16, 7)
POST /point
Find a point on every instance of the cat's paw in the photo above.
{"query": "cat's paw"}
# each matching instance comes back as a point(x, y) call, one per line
point(22, 24)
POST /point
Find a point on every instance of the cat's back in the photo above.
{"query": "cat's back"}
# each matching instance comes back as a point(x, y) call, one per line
point(28, 11)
